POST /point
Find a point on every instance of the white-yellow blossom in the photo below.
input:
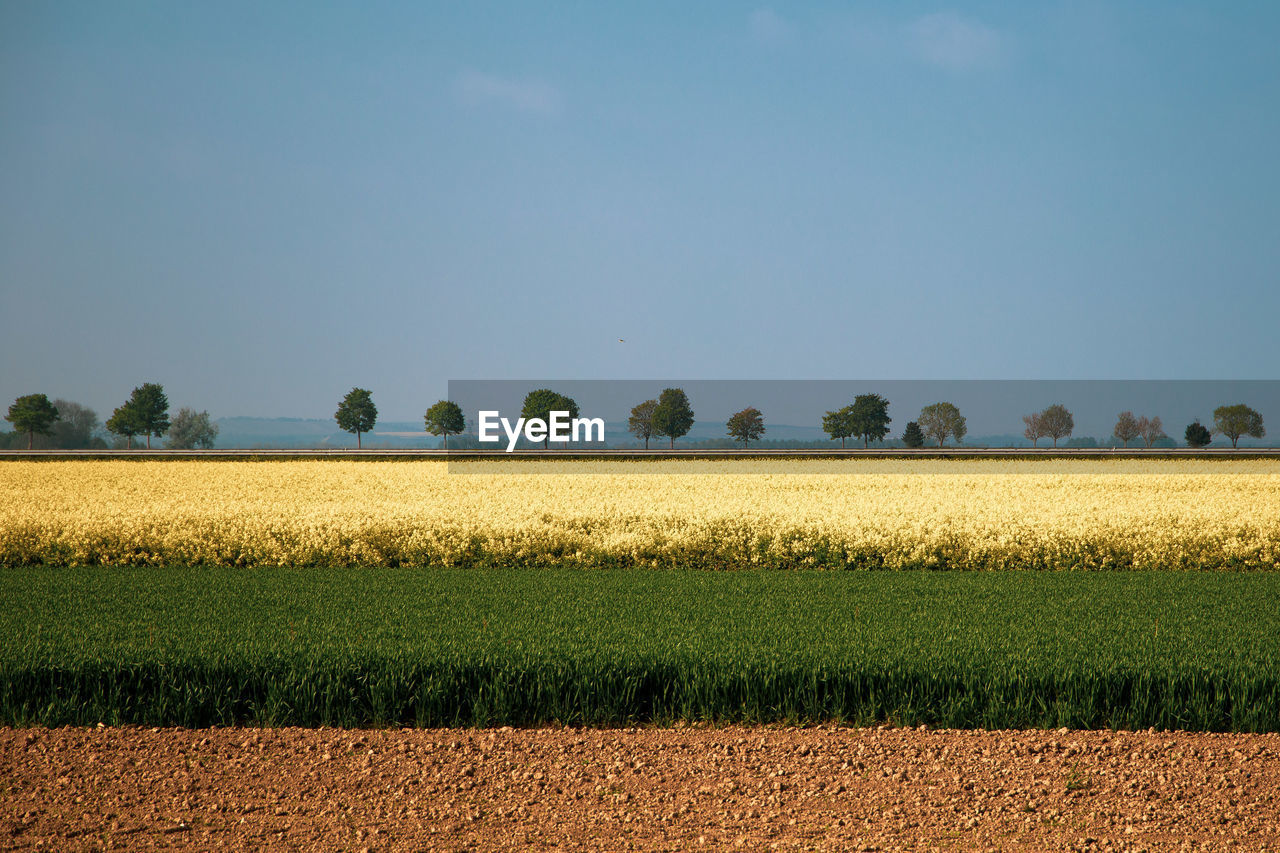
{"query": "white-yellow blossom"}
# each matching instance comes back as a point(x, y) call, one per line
point(969, 514)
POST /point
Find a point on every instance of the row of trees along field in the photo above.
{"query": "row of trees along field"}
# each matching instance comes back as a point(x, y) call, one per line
point(357, 413)
point(867, 418)
point(1233, 422)
point(65, 425)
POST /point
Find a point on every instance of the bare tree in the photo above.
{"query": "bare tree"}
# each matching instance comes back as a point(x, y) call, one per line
point(1033, 430)
point(1127, 428)
point(75, 426)
point(1057, 422)
point(1150, 429)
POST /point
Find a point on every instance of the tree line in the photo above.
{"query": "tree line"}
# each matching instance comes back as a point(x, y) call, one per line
point(69, 426)
point(1232, 422)
point(671, 416)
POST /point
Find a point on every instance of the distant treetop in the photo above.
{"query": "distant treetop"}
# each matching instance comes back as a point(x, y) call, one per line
point(357, 413)
point(445, 418)
point(32, 413)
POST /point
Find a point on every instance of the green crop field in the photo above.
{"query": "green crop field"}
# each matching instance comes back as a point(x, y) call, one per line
point(158, 646)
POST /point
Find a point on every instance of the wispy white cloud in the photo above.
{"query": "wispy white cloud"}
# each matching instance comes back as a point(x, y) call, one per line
point(954, 43)
point(525, 95)
point(768, 27)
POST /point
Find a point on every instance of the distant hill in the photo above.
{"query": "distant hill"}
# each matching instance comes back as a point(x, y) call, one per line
point(284, 433)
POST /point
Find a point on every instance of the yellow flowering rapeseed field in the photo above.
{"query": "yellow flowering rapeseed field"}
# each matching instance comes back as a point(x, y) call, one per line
point(961, 514)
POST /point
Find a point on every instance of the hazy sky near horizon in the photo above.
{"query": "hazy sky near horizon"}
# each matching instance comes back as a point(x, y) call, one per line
point(261, 205)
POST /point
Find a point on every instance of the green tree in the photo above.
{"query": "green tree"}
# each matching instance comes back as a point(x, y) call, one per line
point(191, 430)
point(869, 417)
point(746, 425)
point(445, 418)
point(913, 436)
point(1198, 435)
point(541, 403)
point(32, 413)
point(839, 424)
point(124, 421)
point(674, 416)
point(942, 420)
point(1056, 422)
point(146, 412)
point(1236, 421)
point(641, 421)
point(357, 413)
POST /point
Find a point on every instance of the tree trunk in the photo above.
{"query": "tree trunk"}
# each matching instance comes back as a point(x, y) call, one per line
point(446, 441)
point(1055, 442)
point(359, 445)
point(673, 442)
point(866, 442)
point(842, 442)
point(646, 442)
point(31, 437)
point(148, 441)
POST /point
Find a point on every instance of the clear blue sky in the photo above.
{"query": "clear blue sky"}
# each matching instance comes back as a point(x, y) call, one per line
point(261, 205)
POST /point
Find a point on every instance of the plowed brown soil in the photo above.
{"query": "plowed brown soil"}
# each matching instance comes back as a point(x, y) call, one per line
point(643, 789)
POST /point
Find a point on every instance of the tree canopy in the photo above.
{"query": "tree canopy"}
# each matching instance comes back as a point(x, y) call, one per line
point(542, 402)
point(913, 436)
point(1127, 428)
point(357, 413)
point(1150, 429)
point(192, 430)
point(1056, 422)
point(746, 425)
point(640, 424)
point(1236, 421)
point(1197, 435)
point(869, 417)
point(146, 412)
point(941, 420)
point(124, 421)
point(32, 413)
point(1033, 430)
point(445, 418)
point(76, 426)
point(839, 424)
point(673, 417)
